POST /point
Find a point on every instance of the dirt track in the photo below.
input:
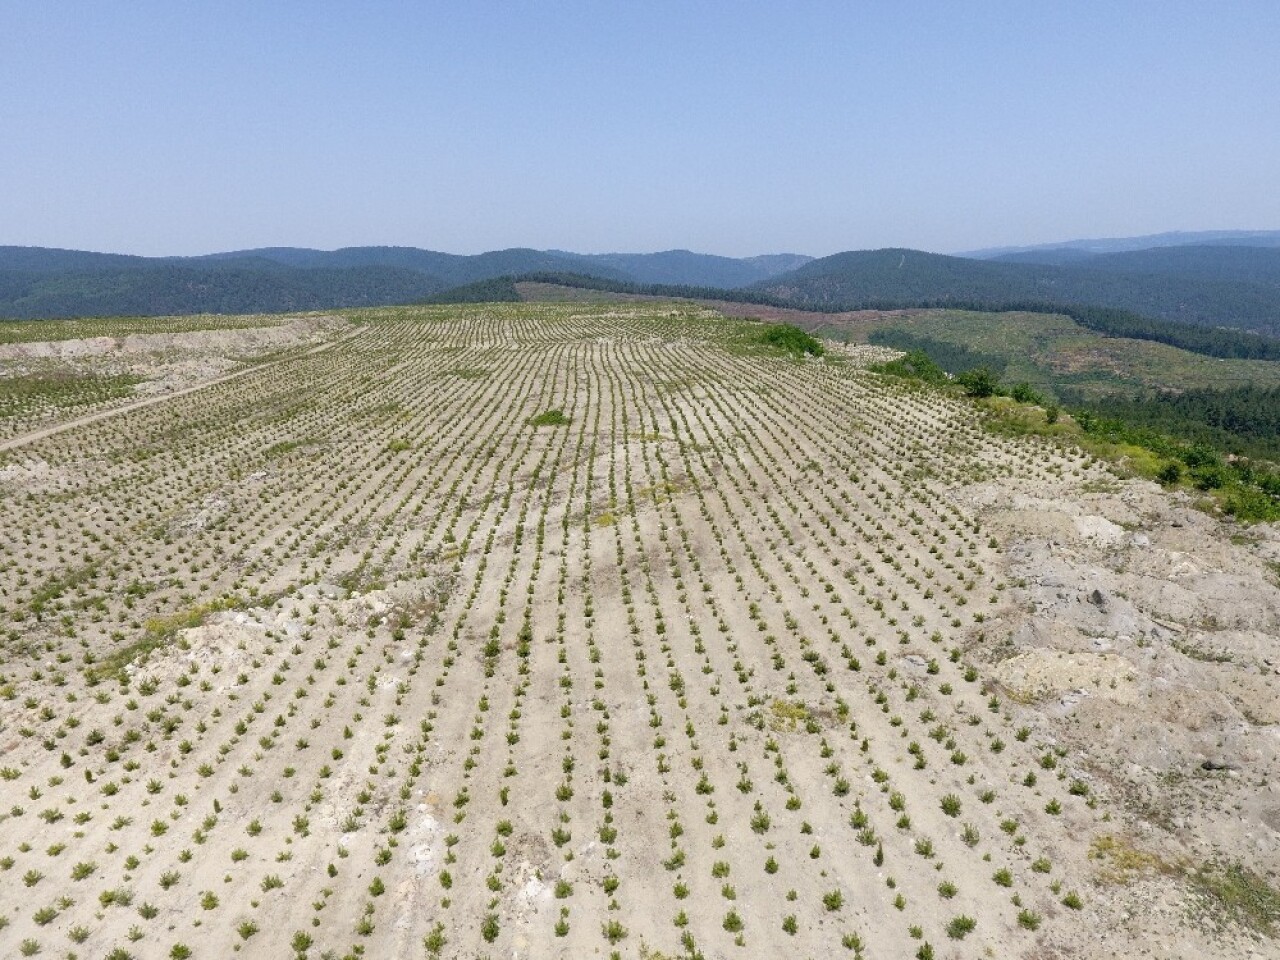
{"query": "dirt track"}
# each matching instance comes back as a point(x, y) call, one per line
point(28, 438)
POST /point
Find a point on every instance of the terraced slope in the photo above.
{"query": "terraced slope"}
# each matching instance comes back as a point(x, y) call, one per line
point(371, 652)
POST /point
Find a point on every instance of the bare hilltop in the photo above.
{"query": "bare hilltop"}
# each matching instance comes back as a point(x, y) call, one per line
point(606, 629)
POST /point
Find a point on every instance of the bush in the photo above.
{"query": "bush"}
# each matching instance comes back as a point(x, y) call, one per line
point(791, 339)
point(916, 365)
point(979, 383)
point(960, 927)
point(1209, 477)
point(549, 418)
point(1024, 393)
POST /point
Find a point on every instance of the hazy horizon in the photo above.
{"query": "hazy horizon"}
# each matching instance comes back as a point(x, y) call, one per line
point(622, 252)
point(164, 130)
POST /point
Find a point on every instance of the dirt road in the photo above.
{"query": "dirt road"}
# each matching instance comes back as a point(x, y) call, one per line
point(27, 438)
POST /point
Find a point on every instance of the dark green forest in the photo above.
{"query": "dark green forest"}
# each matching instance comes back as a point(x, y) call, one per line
point(38, 282)
point(1244, 421)
point(165, 290)
point(1207, 341)
point(496, 290)
point(1252, 264)
point(886, 279)
point(951, 357)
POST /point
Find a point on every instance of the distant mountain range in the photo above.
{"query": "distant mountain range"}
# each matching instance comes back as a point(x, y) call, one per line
point(1177, 238)
point(682, 268)
point(41, 282)
point(1228, 279)
point(1213, 286)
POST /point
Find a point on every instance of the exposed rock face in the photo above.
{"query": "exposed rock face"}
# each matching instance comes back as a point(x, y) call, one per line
point(1147, 634)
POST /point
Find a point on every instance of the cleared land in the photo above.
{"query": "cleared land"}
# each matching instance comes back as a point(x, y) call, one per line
point(1050, 351)
point(565, 631)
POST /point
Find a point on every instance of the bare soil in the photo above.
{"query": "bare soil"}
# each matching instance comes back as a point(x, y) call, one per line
point(748, 656)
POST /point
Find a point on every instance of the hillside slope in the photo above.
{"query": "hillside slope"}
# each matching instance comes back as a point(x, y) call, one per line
point(685, 268)
point(893, 277)
point(1232, 263)
point(161, 290)
point(1175, 238)
point(449, 269)
point(39, 282)
point(566, 631)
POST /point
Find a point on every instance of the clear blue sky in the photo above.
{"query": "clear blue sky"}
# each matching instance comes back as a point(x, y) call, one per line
point(156, 126)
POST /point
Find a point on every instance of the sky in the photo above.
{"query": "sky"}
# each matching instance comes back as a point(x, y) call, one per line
point(733, 128)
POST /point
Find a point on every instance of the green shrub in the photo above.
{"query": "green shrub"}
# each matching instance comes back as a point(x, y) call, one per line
point(549, 418)
point(791, 339)
point(979, 383)
point(960, 927)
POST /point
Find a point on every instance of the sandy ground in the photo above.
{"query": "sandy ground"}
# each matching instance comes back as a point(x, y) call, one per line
point(198, 374)
point(747, 657)
point(158, 364)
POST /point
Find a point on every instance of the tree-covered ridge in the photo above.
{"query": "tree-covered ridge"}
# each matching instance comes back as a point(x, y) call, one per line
point(37, 282)
point(1206, 289)
point(583, 281)
point(883, 279)
point(1248, 264)
point(496, 290)
point(1207, 341)
point(1243, 421)
point(679, 267)
point(1210, 341)
point(952, 357)
point(167, 290)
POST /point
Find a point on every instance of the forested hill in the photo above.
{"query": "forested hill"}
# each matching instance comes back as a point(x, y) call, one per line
point(1176, 238)
point(37, 282)
point(1129, 293)
point(40, 282)
point(685, 268)
point(160, 290)
point(446, 269)
point(1235, 263)
point(1207, 289)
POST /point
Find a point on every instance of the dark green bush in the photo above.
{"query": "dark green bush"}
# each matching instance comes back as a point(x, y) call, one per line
point(549, 418)
point(979, 383)
point(791, 339)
